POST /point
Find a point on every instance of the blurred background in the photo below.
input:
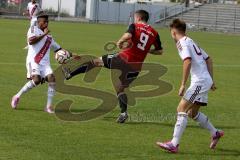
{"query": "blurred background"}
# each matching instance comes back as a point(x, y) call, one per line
point(214, 15)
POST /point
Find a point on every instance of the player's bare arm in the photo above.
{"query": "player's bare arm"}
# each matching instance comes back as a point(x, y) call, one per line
point(123, 39)
point(209, 63)
point(36, 39)
point(185, 75)
point(156, 52)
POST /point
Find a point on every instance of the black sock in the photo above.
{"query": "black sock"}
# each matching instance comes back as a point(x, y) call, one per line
point(83, 68)
point(122, 98)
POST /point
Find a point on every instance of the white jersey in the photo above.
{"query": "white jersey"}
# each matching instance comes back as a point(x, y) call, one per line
point(188, 49)
point(33, 10)
point(39, 52)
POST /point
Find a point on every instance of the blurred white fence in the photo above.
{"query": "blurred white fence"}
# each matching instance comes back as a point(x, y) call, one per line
point(114, 12)
point(93, 10)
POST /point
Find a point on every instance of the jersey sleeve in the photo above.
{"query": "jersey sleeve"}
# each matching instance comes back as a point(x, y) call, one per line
point(131, 29)
point(184, 51)
point(205, 55)
point(158, 43)
point(31, 33)
point(55, 46)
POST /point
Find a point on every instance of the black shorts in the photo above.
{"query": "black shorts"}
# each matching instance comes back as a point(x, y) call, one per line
point(129, 74)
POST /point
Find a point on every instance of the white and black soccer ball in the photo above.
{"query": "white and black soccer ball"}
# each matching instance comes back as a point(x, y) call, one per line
point(62, 56)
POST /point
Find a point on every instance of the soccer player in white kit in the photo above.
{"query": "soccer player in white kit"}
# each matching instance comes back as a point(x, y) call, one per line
point(197, 63)
point(38, 62)
point(33, 10)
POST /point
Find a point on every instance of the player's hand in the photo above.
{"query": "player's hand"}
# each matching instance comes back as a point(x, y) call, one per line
point(46, 31)
point(181, 90)
point(213, 88)
point(120, 44)
point(124, 45)
point(24, 14)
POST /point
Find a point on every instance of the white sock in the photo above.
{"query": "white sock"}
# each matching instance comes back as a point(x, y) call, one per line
point(29, 85)
point(51, 93)
point(179, 127)
point(203, 121)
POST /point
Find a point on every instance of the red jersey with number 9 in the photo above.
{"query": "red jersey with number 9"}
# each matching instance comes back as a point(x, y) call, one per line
point(143, 37)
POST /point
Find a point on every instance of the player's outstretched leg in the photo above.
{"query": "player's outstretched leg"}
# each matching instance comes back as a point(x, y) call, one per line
point(82, 69)
point(36, 79)
point(50, 94)
point(204, 122)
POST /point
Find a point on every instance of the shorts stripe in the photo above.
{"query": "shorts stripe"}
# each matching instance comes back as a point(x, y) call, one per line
point(196, 92)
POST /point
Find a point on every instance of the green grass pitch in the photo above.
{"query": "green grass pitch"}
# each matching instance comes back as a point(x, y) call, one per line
point(30, 133)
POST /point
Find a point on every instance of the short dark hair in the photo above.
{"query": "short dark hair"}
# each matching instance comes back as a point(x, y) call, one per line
point(143, 14)
point(178, 24)
point(43, 16)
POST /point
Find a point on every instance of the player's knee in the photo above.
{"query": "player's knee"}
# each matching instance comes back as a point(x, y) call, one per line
point(181, 108)
point(119, 89)
point(191, 113)
point(184, 106)
point(98, 62)
point(37, 79)
point(50, 78)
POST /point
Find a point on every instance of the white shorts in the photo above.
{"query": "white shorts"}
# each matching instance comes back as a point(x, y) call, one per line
point(197, 93)
point(37, 69)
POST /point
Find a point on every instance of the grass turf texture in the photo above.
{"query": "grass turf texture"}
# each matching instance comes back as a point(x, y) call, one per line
point(29, 133)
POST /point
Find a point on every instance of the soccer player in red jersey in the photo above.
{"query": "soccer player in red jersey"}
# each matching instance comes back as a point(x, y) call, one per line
point(129, 60)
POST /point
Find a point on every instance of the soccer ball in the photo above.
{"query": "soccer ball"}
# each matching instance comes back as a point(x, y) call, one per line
point(62, 56)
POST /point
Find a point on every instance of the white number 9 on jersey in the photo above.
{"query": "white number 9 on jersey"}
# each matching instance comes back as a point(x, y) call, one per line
point(143, 39)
